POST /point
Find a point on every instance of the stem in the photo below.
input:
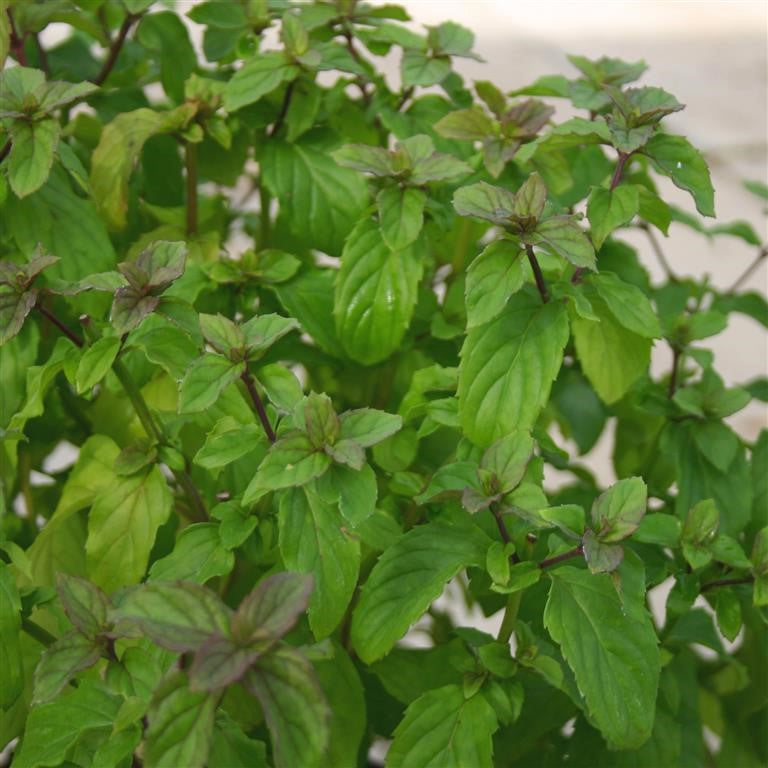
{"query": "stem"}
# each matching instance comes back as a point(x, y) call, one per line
point(726, 583)
point(278, 124)
point(576, 552)
point(500, 524)
point(43, 636)
point(25, 467)
point(190, 155)
point(540, 282)
point(16, 42)
point(258, 406)
point(70, 334)
point(404, 96)
point(137, 401)
point(510, 617)
point(623, 157)
point(749, 270)
point(264, 223)
point(671, 389)
point(659, 253)
point(115, 48)
point(5, 151)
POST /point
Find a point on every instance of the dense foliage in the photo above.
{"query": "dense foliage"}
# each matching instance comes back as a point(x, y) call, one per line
point(314, 342)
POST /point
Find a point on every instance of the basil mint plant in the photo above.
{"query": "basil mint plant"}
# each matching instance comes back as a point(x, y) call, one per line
point(287, 347)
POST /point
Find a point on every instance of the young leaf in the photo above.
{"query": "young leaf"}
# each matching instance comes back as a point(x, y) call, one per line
point(446, 729)
point(205, 380)
point(227, 442)
point(198, 556)
point(405, 581)
point(294, 708)
point(508, 458)
point(492, 278)
point(507, 368)
point(258, 77)
point(608, 210)
point(562, 236)
point(367, 426)
point(273, 607)
point(292, 461)
point(96, 362)
point(612, 649)
point(485, 201)
point(84, 603)
point(177, 616)
point(262, 331)
point(401, 215)
point(180, 724)
point(313, 540)
point(122, 526)
point(617, 513)
point(375, 294)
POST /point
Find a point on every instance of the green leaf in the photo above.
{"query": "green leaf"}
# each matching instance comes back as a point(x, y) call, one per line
point(418, 68)
point(205, 380)
point(401, 215)
point(616, 513)
point(313, 540)
point(197, 556)
point(628, 304)
point(14, 309)
point(262, 331)
point(227, 442)
point(562, 236)
point(316, 416)
point(258, 77)
point(365, 158)
point(69, 655)
point(11, 668)
point(611, 356)
point(180, 724)
point(53, 728)
point(406, 579)
point(484, 201)
point(675, 157)
point(96, 362)
point(660, 529)
point(600, 556)
point(444, 729)
point(219, 663)
point(84, 603)
point(122, 527)
point(32, 148)
point(530, 198)
point(291, 461)
point(221, 333)
point(376, 290)
point(176, 616)
point(118, 150)
point(357, 490)
point(497, 273)
point(611, 647)
point(507, 459)
point(345, 695)
point(507, 368)
point(294, 707)
point(471, 124)
point(699, 531)
point(231, 748)
point(608, 210)
point(273, 607)
point(367, 426)
point(325, 199)
point(281, 385)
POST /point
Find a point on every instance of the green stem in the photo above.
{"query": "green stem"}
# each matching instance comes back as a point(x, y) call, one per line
point(197, 511)
point(510, 616)
point(726, 583)
point(672, 387)
point(261, 412)
point(137, 401)
point(264, 223)
point(550, 561)
point(748, 271)
point(43, 636)
point(190, 154)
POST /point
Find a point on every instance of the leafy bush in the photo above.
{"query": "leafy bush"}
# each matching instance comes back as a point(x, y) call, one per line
point(318, 344)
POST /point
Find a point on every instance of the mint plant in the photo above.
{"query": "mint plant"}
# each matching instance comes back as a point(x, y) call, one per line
point(310, 345)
